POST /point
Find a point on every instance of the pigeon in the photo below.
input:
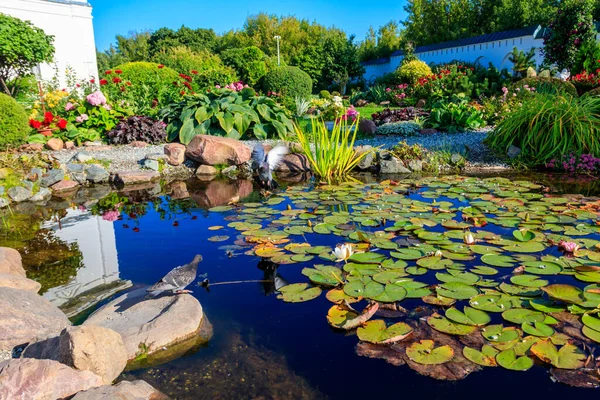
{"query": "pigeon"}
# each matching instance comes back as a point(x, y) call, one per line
point(263, 165)
point(176, 280)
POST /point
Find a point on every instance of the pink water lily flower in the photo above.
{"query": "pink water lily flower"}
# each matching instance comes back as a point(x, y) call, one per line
point(569, 247)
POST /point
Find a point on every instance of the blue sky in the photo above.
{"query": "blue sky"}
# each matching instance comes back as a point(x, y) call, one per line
point(113, 17)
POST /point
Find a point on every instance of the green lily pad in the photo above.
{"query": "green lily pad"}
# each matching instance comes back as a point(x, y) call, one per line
point(298, 292)
point(469, 316)
point(528, 281)
point(367, 258)
point(377, 332)
point(323, 275)
point(457, 290)
point(523, 235)
point(485, 358)
point(568, 356)
point(542, 268)
point(520, 315)
point(508, 359)
point(566, 293)
point(490, 303)
point(391, 293)
point(497, 260)
point(425, 352)
point(539, 329)
point(443, 324)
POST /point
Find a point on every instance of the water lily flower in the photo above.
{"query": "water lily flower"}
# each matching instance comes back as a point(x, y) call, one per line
point(469, 239)
point(569, 247)
point(343, 252)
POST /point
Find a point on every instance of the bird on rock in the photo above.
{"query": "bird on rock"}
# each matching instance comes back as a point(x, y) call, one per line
point(177, 280)
point(264, 164)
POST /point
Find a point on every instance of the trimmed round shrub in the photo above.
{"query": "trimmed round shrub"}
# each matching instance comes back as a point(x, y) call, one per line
point(547, 85)
point(593, 92)
point(14, 123)
point(412, 71)
point(324, 94)
point(138, 128)
point(289, 82)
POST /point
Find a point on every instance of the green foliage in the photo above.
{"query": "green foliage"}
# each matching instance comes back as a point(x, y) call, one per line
point(412, 71)
point(195, 39)
point(289, 82)
point(572, 28)
point(14, 123)
point(249, 63)
point(403, 128)
point(547, 86)
point(324, 94)
point(549, 126)
point(22, 47)
point(587, 58)
point(223, 112)
point(593, 92)
point(334, 156)
point(455, 115)
point(522, 61)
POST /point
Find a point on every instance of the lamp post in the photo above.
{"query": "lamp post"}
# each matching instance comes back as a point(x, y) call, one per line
point(278, 38)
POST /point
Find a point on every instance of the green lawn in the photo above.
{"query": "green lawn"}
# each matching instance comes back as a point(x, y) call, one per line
point(365, 112)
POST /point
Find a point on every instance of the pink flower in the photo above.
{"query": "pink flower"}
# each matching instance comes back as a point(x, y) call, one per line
point(111, 216)
point(218, 86)
point(69, 106)
point(569, 247)
point(82, 118)
point(107, 107)
point(96, 98)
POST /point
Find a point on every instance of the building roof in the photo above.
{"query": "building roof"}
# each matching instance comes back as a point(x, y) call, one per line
point(377, 61)
point(71, 2)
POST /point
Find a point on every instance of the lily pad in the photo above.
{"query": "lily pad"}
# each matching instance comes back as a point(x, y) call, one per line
point(457, 290)
point(425, 352)
point(469, 316)
point(568, 356)
point(298, 292)
point(443, 324)
point(377, 332)
point(509, 360)
point(485, 358)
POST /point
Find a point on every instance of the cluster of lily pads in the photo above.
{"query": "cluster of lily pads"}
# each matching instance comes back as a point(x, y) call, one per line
point(508, 274)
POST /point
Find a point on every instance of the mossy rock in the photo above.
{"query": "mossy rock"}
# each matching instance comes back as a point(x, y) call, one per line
point(547, 85)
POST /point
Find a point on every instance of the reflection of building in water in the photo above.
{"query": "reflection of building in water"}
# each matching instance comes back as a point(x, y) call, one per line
point(99, 276)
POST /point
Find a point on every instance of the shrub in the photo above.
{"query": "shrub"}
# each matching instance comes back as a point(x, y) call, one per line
point(249, 63)
point(412, 71)
point(335, 94)
point(404, 128)
point(396, 115)
point(455, 115)
point(223, 112)
point(138, 128)
point(183, 60)
point(547, 85)
point(324, 94)
point(14, 123)
point(549, 126)
point(593, 92)
point(289, 82)
point(587, 58)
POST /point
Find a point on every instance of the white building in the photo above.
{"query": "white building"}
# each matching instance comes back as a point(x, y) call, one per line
point(492, 48)
point(70, 22)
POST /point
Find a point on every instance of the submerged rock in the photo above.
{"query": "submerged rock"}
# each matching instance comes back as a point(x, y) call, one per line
point(42, 380)
point(148, 325)
point(214, 150)
point(206, 170)
point(125, 390)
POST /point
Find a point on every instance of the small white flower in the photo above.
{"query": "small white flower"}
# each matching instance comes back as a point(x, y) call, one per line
point(343, 252)
point(469, 239)
point(438, 253)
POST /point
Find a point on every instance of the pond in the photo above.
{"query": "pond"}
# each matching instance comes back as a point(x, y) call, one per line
point(525, 295)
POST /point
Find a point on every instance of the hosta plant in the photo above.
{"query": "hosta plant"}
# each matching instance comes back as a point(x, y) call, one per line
point(455, 115)
point(223, 112)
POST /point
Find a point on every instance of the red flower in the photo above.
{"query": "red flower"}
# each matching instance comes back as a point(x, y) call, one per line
point(128, 83)
point(48, 117)
point(78, 85)
point(182, 92)
point(122, 88)
point(175, 83)
point(187, 85)
point(186, 77)
point(92, 81)
point(160, 66)
point(194, 72)
point(118, 71)
point(116, 79)
point(35, 124)
point(62, 123)
point(108, 72)
point(103, 82)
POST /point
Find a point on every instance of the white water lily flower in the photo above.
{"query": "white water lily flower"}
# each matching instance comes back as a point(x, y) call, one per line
point(438, 253)
point(343, 252)
point(469, 239)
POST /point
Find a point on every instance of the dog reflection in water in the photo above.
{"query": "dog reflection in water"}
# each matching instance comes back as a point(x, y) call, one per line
point(272, 280)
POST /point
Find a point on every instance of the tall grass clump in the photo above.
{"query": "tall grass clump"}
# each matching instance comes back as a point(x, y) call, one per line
point(550, 126)
point(334, 155)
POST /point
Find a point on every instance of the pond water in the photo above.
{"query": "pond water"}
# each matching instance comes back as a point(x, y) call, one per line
point(85, 249)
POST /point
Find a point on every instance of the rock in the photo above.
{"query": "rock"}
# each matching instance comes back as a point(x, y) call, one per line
point(131, 177)
point(85, 348)
point(19, 282)
point(393, 166)
point(125, 390)
point(428, 131)
point(294, 162)
point(19, 193)
point(92, 144)
point(175, 153)
point(2, 190)
point(214, 150)
point(69, 145)
point(51, 177)
point(42, 380)
point(99, 148)
point(531, 72)
point(513, 152)
point(64, 186)
point(82, 157)
point(27, 185)
point(55, 144)
point(415, 165)
point(31, 147)
point(3, 202)
point(42, 195)
point(544, 74)
point(26, 317)
point(10, 262)
point(138, 144)
point(148, 325)
point(206, 170)
point(96, 174)
point(456, 159)
point(35, 175)
point(151, 164)
point(219, 192)
point(75, 168)
point(179, 190)
point(367, 126)
point(421, 103)
point(367, 161)
point(231, 171)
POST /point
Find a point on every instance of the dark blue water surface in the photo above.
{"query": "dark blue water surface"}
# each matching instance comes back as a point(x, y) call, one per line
point(265, 348)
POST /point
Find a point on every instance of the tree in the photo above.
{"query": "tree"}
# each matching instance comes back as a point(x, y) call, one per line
point(22, 47)
point(109, 58)
point(249, 63)
point(135, 46)
point(571, 28)
point(522, 61)
point(196, 39)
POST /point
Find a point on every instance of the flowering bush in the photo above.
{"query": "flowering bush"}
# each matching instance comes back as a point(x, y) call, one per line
point(329, 110)
point(49, 121)
point(583, 164)
point(584, 81)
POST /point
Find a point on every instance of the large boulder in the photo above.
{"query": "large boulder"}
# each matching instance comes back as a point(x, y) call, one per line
point(26, 317)
point(175, 153)
point(367, 160)
point(42, 380)
point(136, 390)
point(86, 348)
point(218, 192)
point(294, 162)
point(10, 262)
point(148, 325)
point(18, 282)
point(215, 150)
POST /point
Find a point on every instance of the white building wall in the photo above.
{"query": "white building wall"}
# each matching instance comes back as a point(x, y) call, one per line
point(71, 24)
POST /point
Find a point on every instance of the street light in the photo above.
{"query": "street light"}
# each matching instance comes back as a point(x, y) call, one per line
point(278, 38)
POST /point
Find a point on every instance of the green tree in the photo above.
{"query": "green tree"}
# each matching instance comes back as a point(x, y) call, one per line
point(135, 46)
point(196, 39)
point(250, 63)
point(22, 47)
point(109, 58)
point(522, 61)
